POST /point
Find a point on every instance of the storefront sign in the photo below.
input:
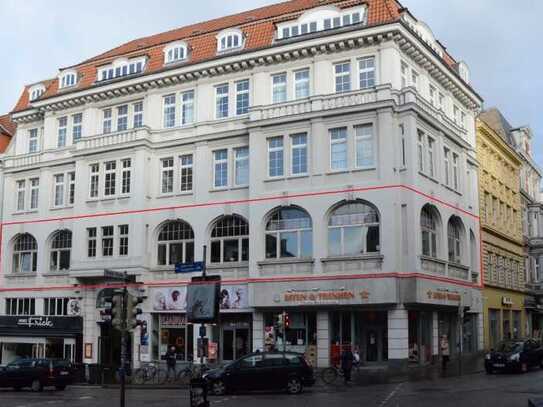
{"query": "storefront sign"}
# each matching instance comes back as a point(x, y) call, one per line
point(507, 301)
point(172, 321)
point(40, 325)
point(323, 296)
point(35, 322)
point(424, 291)
point(444, 295)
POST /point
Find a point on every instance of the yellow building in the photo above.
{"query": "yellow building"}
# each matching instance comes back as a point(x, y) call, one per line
point(501, 223)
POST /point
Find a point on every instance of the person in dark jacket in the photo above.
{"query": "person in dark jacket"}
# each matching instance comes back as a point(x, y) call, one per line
point(347, 359)
point(171, 361)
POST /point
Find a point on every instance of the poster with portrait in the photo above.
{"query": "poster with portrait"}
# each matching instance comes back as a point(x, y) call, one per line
point(169, 299)
point(145, 337)
point(233, 297)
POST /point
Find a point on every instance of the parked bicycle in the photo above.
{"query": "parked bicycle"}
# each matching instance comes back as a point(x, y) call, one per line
point(149, 373)
point(330, 374)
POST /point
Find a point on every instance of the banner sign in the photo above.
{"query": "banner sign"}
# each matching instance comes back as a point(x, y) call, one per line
point(231, 298)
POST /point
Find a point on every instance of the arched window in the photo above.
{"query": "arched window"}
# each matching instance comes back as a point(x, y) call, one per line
point(353, 229)
point(25, 254)
point(175, 243)
point(68, 79)
point(428, 225)
point(61, 247)
point(175, 52)
point(230, 39)
point(454, 234)
point(289, 233)
point(230, 240)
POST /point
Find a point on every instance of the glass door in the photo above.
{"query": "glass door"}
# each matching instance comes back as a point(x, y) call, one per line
point(69, 350)
point(38, 350)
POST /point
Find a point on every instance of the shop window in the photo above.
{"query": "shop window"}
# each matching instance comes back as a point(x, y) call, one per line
point(230, 240)
point(289, 234)
point(61, 247)
point(420, 337)
point(25, 254)
point(429, 231)
point(353, 229)
point(175, 243)
point(299, 336)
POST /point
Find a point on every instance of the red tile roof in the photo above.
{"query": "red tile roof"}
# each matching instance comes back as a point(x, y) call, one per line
point(257, 26)
point(7, 130)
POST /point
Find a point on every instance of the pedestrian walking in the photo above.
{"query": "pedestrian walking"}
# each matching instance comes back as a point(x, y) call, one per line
point(445, 351)
point(347, 359)
point(171, 361)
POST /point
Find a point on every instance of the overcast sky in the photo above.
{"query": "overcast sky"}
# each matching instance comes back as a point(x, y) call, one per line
point(499, 39)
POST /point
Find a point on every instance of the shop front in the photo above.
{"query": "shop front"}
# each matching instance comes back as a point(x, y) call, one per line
point(166, 326)
point(505, 315)
point(40, 337)
point(321, 318)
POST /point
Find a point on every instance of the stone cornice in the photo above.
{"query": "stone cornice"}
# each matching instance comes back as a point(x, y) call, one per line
point(276, 54)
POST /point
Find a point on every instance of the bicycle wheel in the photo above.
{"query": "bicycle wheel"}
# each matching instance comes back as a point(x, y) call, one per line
point(160, 376)
point(329, 375)
point(184, 376)
point(139, 376)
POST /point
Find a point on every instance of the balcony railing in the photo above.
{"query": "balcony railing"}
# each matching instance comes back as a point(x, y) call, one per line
point(112, 139)
point(443, 268)
point(353, 264)
point(287, 266)
point(23, 160)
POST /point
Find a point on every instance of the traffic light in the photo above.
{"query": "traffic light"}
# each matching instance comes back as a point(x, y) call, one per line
point(286, 320)
point(279, 321)
point(132, 311)
point(117, 310)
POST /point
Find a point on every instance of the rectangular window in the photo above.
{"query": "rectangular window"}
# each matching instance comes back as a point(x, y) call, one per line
point(220, 168)
point(455, 172)
point(91, 242)
point(301, 84)
point(34, 192)
point(20, 306)
point(463, 120)
point(33, 141)
point(187, 107)
point(415, 80)
point(186, 172)
point(77, 122)
point(221, 101)
point(138, 114)
point(59, 190)
point(403, 142)
point(242, 97)
point(420, 150)
point(122, 118)
point(342, 75)
point(366, 70)
point(279, 88)
point(107, 241)
point(169, 111)
point(404, 71)
point(106, 121)
point(364, 144)
point(110, 175)
point(71, 188)
point(431, 162)
point(298, 144)
point(456, 114)
point(126, 166)
point(94, 180)
point(241, 165)
point(275, 157)
point(338, 148)
point(167, 175)
point(55, 306)
point(62, 129)
point(123, 240)
point(441, 101)
point(21, 191)
point(447, 165)
point(432, 95)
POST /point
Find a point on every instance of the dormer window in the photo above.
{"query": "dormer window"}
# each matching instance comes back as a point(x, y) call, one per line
point(321, 19)
point(121, 67)
point(229, 40)
point(67, 79)
point(175, 52)
point(36, 91)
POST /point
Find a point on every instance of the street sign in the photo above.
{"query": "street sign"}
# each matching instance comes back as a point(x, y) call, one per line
point(115, 275)
point(195, 267)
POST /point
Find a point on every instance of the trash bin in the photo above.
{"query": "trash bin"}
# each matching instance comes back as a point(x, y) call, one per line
point(93, 374)
point(198, 393)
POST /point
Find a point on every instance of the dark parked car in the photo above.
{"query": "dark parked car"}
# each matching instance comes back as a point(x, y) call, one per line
point(36, 374)
point(514, 355)
point(262, 371)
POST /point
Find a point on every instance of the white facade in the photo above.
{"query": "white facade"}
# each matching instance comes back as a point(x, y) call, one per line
point(400, 103)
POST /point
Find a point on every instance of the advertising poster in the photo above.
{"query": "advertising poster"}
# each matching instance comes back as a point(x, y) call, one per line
point(145, 337)
point(169, 299)
point(234, 297)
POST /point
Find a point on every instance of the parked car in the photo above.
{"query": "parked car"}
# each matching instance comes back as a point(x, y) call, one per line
point(514, 355)
point(262, 371)
point(36, 374)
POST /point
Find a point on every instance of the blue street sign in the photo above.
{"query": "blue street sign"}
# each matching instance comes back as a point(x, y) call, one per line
point(195, 267)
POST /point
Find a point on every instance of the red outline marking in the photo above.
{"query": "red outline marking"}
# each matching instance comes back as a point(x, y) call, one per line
point(236, 202)
point(171, 283)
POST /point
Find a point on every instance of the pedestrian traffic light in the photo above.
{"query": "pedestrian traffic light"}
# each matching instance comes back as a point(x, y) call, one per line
point(132, 311)
point(286, 320)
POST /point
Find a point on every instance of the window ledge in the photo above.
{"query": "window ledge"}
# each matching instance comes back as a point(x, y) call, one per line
point(433, 259)
point(122, 197)
point(289, 260)
point(451, 189)
point(233, 188)
point(429, 177)
point(458, 265)
point(296, 176)
point(60, 208)
point(56, 273)
point(373, 256)
point(361, 169)
point(232, 265)
point(16, 275)
point(334, 172)
point(18, 213)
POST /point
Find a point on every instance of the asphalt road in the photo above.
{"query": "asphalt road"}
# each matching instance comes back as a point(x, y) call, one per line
point(477, 390)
